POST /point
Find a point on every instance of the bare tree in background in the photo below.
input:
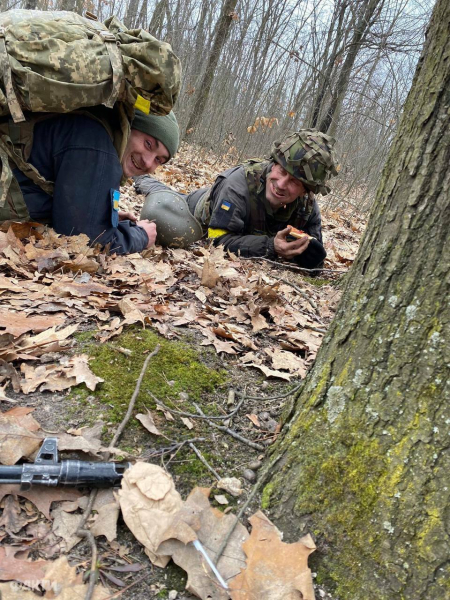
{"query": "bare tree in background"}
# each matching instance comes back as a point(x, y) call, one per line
point(221, 34)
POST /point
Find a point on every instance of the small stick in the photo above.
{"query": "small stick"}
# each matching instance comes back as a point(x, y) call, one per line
point(133, 398)
point(300, 291)
point(202, 416)
point(204, 461)
point(81, 532)
point(289, 266)
point(236, 436)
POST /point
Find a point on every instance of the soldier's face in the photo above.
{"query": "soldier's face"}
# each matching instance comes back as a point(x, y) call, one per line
point(143, 154)
point(282, 188)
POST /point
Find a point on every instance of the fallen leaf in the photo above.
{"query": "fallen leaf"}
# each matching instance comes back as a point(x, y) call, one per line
point(12, 518)
point(189, 424)
point(18, 323)
point(28, 572)
point(275, 570)
point(210, 276)
point(148, 500)
point(254, 419)
point(16, 441)
point(209, 526)
point(148, 422)
point(232, 485)
point(269, 372)
point(220, 498)
point(42, 497)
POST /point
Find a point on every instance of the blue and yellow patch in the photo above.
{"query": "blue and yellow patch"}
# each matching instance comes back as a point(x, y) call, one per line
point(115, 199)
point(225, 205)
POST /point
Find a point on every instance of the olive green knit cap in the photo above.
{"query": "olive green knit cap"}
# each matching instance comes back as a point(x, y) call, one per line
point(164, 129)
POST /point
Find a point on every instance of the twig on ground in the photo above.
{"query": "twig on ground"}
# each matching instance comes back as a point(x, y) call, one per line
point(122, 590)
point(175, 446)
point(81, 532)
point(204, 461)
point(302, 293)
point(202, 416)
point(291, 267)
point(234, 434)
point(133, 397)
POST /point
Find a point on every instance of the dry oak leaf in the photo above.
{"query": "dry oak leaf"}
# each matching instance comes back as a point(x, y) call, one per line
point(288, 361)
point(18, 323)
point(209, 526)
point(275, 570)
point(131, 313)
point(210, 276)
point(28, 572)
point(79, 369)
point(148, 500)
point(13, 518)
point(41, 496)
point(16, 441)
point(269, 372)
point(148, 422)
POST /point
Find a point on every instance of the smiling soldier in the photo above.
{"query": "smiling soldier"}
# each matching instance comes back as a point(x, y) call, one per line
point(252, 209)
point(79, 155)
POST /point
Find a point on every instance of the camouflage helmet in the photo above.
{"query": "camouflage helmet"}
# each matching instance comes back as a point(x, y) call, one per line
point(307, 155)
point(176, 227)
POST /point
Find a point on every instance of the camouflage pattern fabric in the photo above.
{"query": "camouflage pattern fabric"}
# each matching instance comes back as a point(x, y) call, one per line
point(308, 155)
point(59, 62)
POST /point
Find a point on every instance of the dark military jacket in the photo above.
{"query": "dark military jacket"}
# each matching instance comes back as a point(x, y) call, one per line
point(244, 222)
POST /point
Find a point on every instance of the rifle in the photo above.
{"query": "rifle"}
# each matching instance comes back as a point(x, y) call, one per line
point(47, 470)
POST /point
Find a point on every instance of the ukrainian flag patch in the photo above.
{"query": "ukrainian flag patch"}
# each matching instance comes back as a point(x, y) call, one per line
point(116, 199)
point(225, 205)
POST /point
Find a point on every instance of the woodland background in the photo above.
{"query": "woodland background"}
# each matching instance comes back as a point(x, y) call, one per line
point(256, 69)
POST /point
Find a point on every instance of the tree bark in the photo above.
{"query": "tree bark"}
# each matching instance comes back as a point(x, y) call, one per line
point(364, 461)
point(222, 31)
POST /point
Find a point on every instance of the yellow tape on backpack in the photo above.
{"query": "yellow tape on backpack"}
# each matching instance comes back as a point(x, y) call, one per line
point(142, 104)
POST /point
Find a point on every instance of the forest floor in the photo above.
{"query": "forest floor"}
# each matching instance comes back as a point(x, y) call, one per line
point(235, 338)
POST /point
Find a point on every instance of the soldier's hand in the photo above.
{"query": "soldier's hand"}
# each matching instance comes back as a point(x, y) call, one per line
point(150, 229)
point(127, 215)
point(287, 249)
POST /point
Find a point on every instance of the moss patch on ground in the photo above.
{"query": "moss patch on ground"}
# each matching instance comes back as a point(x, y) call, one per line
point(176, 368)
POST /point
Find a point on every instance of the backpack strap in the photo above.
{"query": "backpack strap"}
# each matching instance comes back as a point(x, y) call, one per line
point(5, 67)
point(115, 58)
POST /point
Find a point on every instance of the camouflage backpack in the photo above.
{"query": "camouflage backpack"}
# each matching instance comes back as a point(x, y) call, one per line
point(58, 62)
point(61, 61)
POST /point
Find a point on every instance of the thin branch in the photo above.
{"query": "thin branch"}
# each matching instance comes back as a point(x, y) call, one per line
point(204, 461)
point(234, 434)
point(289, 266)
point(81, 532)
point(203, 416)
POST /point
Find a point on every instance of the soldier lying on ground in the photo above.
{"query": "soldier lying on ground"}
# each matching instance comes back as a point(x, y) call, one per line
point(77, 157)
point(251, 208)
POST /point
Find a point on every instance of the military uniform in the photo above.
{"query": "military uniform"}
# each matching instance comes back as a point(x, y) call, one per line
point(235, 211)
point(79, 172)
point(243, 221)
point(236, 214)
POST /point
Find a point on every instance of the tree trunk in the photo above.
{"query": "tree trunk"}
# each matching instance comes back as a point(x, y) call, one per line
point(363, 25)
point(365, 460)
point(222, 30)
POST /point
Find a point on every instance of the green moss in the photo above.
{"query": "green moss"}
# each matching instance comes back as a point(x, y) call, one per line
point(84, 336)
point(176, 368)
point(265, 498)
point(318, 281)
